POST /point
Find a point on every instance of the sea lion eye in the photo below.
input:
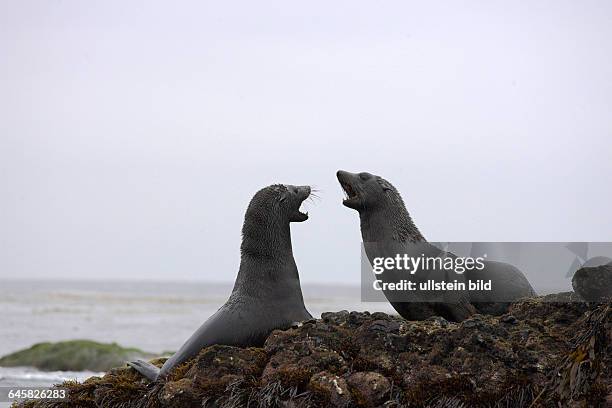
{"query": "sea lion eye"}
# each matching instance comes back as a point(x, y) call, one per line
point(364, 176)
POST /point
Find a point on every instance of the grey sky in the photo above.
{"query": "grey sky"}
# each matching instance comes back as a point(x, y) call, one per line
point(133, 134)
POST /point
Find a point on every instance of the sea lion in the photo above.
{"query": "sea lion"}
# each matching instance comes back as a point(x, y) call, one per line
point(387, 229)
point(267, 293)
point(384, 218)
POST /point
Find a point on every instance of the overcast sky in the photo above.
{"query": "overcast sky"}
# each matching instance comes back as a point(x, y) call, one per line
point(133, 134)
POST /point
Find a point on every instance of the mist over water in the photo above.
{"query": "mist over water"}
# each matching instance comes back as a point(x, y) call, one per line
point(131, 314)
point(153, 316)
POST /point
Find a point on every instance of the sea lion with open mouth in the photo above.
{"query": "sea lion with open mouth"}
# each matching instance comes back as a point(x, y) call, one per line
point(384, 219)
point(387, 230)
point(267, 293)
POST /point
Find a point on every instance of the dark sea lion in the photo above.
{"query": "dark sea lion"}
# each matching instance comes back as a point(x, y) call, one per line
point(388, 229)
point(384, 218)
point(267, 293)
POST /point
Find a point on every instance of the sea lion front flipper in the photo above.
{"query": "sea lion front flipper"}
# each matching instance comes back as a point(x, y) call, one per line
point(145, 368)
point(228, 326)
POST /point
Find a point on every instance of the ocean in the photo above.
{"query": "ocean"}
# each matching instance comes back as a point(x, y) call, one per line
point(129, 313)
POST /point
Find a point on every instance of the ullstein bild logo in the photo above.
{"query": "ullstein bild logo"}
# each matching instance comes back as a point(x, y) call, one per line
point(499, 271)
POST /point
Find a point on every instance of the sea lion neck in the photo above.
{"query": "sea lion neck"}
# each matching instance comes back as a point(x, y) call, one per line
point(390, 221)
point(270, 239)
point(267, 267)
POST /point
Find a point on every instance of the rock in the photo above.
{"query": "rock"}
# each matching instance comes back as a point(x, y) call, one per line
point(331, 388)
point(508, 319)
point(181, 393)
point(594, 284)
point(74, 355)
point(218, 363)
point(369, 388)
point(561, 351)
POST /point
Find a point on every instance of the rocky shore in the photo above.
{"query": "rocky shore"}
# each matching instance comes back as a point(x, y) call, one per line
point(545, 352)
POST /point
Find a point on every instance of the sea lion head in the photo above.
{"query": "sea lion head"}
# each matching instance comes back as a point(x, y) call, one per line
point(265, 231)
point(282, 200)
point(366, 191)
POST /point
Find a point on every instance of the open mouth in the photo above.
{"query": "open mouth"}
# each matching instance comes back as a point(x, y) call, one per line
point(300, 216)
point(350, 195)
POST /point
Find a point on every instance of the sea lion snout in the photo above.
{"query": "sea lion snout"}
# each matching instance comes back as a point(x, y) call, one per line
point(349, 181)
point(303, 191)
point(344, 176)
